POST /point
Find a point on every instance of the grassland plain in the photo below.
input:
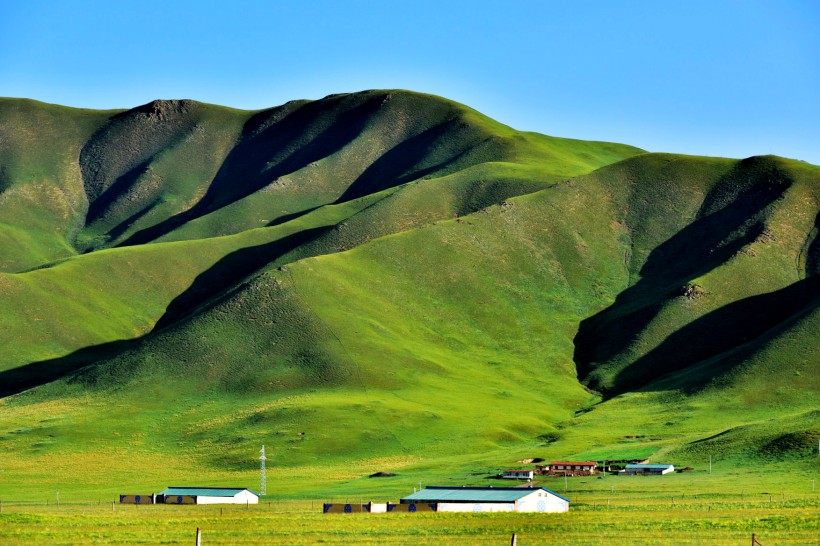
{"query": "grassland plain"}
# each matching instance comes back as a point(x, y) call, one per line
point(621, 518)
point(388, 281)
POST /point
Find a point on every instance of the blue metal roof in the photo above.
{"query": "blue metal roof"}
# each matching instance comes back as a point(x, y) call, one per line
point(206, 491)
point(435, 493)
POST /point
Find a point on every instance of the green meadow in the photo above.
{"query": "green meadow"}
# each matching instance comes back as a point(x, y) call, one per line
point(392, 282)
point(725, 507)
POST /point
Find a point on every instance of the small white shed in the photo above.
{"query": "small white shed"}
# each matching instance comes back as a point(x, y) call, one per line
point(518, 474)
point(209, 495)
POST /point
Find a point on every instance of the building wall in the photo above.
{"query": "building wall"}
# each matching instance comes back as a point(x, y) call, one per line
point(571, 470)
point(518, 475)
point(412, 507)
point(179, 499)
point(648, 471)
point(137, 499)
point(344, 508)
point(476, 507)
point(243, 497)
point(542, 501)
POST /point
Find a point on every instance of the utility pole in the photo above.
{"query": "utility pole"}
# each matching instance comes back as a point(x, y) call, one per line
point(263, 482)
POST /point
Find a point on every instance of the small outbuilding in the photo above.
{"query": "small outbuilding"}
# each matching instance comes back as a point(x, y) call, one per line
point(208, 495)
point(138, 499)
point(648, 469)
point(518, 474)
point(489, 499)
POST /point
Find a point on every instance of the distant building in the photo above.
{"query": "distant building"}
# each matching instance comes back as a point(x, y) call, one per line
point(208, 495)
point(648, 469)
point(489, 499)
point(573, 468)
point(518, 474)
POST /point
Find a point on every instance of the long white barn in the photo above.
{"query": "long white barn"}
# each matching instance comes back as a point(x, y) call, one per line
point(209, 495)
point(490, 499)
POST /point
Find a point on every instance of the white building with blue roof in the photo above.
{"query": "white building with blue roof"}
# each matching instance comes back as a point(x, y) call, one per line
point(490, 499)
point(208, 495)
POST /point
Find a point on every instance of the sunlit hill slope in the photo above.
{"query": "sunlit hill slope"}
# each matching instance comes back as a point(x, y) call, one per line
point(368, 280)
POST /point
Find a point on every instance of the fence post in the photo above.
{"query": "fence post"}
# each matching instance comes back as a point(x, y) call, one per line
point(198, 537)
point(513, 540)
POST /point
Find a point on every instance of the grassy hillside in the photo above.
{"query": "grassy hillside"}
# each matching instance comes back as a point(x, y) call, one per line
point(391, 281)
point(366, 165)
point(42, 203)
point(76, 180)
point(714, 262)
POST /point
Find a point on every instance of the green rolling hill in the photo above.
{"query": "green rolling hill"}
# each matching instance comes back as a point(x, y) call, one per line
point(390, 281)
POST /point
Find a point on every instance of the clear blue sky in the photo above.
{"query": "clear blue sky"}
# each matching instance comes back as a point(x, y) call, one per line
point(729, 78)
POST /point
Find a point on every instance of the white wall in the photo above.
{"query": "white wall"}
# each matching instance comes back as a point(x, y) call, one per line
point(243, 497)
point(476, 507)
point(542, 501)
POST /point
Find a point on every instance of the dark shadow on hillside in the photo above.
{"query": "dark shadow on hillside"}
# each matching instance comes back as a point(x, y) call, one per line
point(729, 328)
point(45, 371)
point(732, 216)
point(813, 252)
point(117, 154)
point(399, 165)
point(225, 274)
point(120, 187)
point(284, 219)
point(228, 272)
point(117, 231)
point(274, 143)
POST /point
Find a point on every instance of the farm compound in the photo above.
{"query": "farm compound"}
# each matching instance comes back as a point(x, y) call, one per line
point(208, 495)
point(489, 499)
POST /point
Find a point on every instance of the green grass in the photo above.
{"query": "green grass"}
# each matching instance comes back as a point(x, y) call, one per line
point(692, 515)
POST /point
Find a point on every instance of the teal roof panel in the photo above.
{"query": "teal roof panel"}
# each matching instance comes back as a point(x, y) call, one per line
point(474, 494)
point(206, 491)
